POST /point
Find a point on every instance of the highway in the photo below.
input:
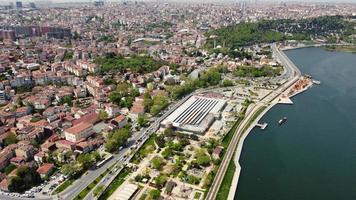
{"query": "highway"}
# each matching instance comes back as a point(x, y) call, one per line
point(293, 74)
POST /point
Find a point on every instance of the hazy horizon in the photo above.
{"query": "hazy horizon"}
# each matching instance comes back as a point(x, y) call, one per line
point(198, 1)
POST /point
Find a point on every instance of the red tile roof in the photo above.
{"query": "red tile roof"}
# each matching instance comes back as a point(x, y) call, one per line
point(79, 128)
point(89, 118)
point(45, 168)
point(119, 118)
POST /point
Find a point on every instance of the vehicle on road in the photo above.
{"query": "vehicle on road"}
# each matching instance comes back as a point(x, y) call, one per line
point(106, 159)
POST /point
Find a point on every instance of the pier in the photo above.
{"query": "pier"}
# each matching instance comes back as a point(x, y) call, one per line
point(262, 126)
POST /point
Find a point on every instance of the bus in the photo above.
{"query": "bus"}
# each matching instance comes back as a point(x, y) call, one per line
point(106, 159)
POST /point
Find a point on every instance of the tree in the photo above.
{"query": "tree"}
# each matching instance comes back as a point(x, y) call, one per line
point(96, 156)
point(160, 180)
point(10, 139)
point(103, 115)
point(157, 162)
point(142, 120)
point(160, 141)
point(98, 190)
point(202, 158)
point(134, 63)
point(154, 194)
point(85, 160)
point(167, 153)
point(168, 132)
point(25, 178)
point(66, 100)
point(193, 180)
point(8, 169)
point(117, 139)
point(227, 83)
point(147, 101)
point(159, 102)
point(68, 55)
point(71, 170)
point(115, 97)
point(209, 179)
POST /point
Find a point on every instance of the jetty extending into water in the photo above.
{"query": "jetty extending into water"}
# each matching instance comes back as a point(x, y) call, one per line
point(262, 126)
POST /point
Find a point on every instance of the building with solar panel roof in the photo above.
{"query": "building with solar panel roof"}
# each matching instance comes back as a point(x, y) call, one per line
point(196, 114)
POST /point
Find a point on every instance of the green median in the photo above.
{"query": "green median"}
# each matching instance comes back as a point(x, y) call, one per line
point(225, 186)
point(85, 192)
point(119, 179)
point(63, 186)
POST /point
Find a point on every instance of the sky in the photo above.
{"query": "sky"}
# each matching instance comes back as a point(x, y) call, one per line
point(328, 1)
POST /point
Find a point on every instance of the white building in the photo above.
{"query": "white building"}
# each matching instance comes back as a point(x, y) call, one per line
point(196, 114)
point(78, 132)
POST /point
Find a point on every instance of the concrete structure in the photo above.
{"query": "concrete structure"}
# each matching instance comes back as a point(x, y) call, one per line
point(126, 192)
point(196, 114)
point(79, 131)
point(119, 121)
point(2, 97)
point(19, 4)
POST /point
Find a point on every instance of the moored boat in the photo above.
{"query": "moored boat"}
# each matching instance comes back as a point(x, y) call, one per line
point(281, 121)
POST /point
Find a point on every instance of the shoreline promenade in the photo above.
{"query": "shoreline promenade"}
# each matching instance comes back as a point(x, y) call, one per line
point(235, 148)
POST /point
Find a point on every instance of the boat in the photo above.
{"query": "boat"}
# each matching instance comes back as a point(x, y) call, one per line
point(316, 82)
point(281, 121)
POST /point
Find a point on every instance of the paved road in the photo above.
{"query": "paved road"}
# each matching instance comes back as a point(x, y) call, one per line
point(72, 191)
point(293, 75)
point(143, 135)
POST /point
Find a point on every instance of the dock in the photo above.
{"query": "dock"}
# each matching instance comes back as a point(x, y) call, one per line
point(285, 100)
point(262, 126)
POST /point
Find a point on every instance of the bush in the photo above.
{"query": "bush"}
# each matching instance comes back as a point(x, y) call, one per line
point(154, 194)
point(157, 162)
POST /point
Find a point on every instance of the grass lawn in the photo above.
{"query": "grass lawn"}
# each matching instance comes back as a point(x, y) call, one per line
point(228, 137)
point(197, 195)
point(224, 189)
point(98, 190)
point(259, 111)
point(120, 178)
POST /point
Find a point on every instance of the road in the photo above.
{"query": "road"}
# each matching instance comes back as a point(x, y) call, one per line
point(144, 134)
point(72, 191)
point(292, 75)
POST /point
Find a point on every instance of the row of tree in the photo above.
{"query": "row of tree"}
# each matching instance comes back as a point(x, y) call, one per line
point(25, 179)
point(124, 95)
point(267, 31)
point(211, 77)
point(117, 139)
point(134, 63)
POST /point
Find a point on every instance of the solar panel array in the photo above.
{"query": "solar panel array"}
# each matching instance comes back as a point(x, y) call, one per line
point(196, 112)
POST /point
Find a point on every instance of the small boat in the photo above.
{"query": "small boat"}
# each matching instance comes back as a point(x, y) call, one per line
point(316, 82)
point(281, 121)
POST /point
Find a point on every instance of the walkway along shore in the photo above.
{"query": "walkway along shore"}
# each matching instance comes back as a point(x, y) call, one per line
point(275, 101)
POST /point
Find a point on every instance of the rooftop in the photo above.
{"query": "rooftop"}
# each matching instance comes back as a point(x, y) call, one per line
point(79, 128)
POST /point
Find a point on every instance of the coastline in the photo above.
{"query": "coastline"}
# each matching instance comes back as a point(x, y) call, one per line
point(287, 48)
point(238, 151)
